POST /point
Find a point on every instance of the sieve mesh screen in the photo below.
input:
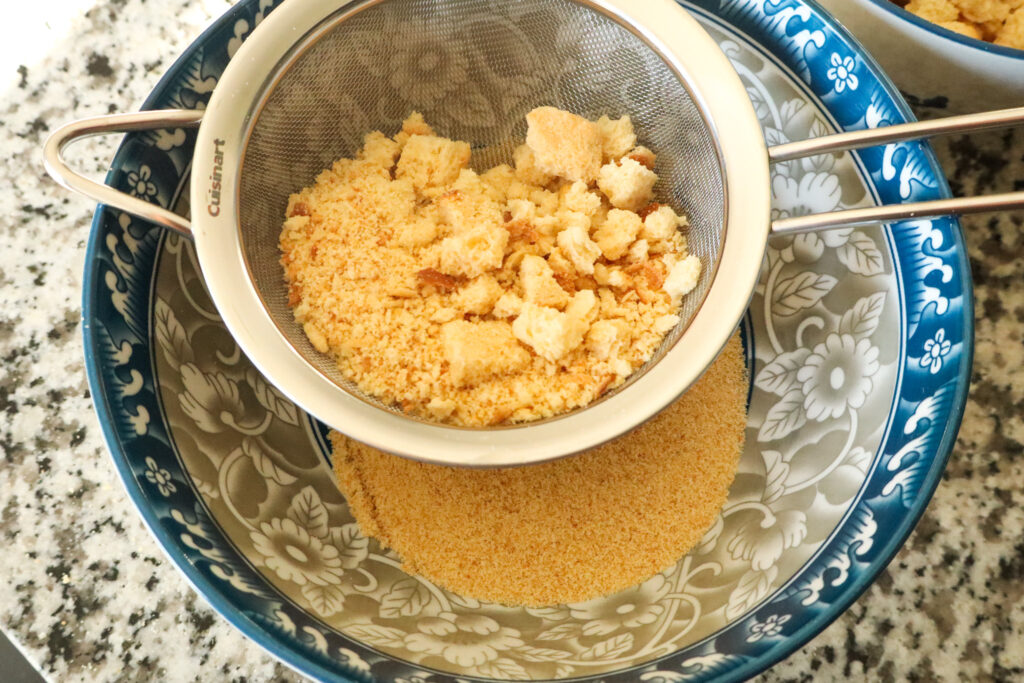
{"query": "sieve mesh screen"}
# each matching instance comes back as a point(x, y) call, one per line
point(474, 69)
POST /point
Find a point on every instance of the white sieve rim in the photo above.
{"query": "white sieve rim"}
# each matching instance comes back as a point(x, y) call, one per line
point(718, 93)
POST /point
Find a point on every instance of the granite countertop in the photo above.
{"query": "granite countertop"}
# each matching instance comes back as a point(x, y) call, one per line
point(87, 593)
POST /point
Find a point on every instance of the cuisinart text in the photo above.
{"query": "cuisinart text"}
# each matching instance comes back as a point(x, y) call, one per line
point(213, 205)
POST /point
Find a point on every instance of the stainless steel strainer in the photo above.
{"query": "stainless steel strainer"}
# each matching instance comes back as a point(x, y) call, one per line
point(317, 75)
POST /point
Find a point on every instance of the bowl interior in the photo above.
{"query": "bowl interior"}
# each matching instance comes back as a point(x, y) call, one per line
point(957, 38)
point(858, 341)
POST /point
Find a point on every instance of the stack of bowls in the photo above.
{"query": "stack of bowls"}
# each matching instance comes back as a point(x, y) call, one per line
point(936, 68)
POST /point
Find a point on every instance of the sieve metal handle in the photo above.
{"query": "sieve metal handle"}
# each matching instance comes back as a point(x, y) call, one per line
point(53, 160)
point(902, 132)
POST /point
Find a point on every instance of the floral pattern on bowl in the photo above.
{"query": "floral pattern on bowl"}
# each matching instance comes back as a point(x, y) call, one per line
point(858, 343)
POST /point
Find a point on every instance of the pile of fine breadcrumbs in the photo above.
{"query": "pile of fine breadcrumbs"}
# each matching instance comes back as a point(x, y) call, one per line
point(477, 299)
point(563, 531)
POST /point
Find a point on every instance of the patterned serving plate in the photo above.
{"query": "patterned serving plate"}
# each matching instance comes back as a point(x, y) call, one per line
point(859, 344)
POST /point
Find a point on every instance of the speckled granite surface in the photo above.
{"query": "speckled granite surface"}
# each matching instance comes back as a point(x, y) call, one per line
point(87, 592)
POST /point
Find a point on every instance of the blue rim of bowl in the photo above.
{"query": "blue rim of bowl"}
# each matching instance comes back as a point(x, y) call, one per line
point(307, 663)
point(205, 588)
point(943, 450)
point(983, 45)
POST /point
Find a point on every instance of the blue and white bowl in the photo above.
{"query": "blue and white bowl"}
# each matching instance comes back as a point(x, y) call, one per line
point(935, 67)
point(859, 345)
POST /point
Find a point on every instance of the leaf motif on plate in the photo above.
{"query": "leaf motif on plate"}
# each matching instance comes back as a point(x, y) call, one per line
point(760, 105)
point(779, 376)
point(608, 649)
point(749, 590)
point(326, 600)
point(266, 461)
point(819, 162)
point(352, 546)
point(541, 654)
point(561, 632)
point(503, 667)
point(463, 601)
point(862, 320)
point(381, 636)
point(774, 137)
point(858, 458)
point(270, 398)
point(783, 418)
point(171, 335)
point(800, 292)
point(861, 255)
point(789, 110)
point(407, 598)
point(777, 472)
point(207, 397)
point(308, 511)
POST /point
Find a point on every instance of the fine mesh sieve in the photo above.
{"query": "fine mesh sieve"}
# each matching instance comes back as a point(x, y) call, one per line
point(474, 69)
point(316, 75)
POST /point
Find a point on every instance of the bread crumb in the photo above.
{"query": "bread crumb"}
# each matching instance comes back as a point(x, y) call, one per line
point(477, 351)
point(474, 251)
point(638, 251)
point(603, 338)
point(617, 233)
point(479, 296)
point(643, 156)
point(564, 144)
point(1012, 32)
point(998, 21)
point(628, 184)
point(539, 285)
point(508, 305)
point(393, 257)
point(552, 334)
point(563, 531)
point(527, 169)
point(577, 246)
point(617, 137)
point(414, 124)
point(577, 198)
point(682, 278)
point(430, 161)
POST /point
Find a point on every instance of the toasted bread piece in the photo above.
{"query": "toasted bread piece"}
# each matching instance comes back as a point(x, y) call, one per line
point(476, 351)
point(564, 144)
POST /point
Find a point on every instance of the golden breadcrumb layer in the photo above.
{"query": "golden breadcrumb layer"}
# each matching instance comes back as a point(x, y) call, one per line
point(477, 299)
point(563, 531)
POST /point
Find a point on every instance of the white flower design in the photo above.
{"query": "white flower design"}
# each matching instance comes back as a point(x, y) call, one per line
point(841, 73)
point(935, 350)
point(814, 193)
point(772, 626)
point(761, 544)
point(294, 555)
point(837, 376)
point(805, 248)
point(633, 607)
point(160, 477)
point(212, 400)
point(141, 185)
point(462, 639)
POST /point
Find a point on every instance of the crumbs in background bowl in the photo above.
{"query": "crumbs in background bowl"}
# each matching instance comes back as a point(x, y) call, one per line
point(505, 296)
point(996, 21)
